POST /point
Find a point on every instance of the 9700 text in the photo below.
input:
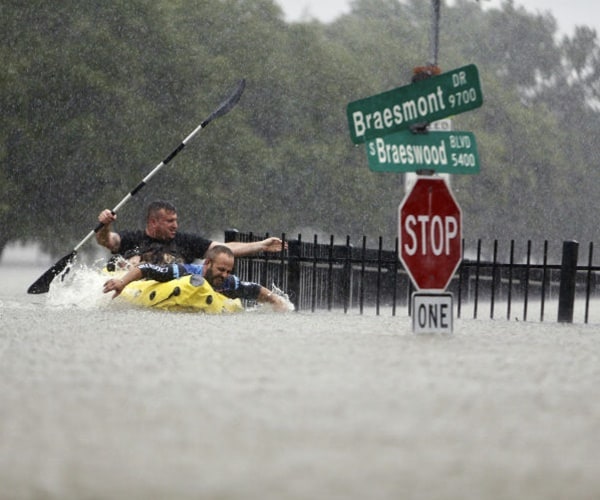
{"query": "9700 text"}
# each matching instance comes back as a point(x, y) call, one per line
point(462, 98)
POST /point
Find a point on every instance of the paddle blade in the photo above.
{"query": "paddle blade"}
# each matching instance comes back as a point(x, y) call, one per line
point(42, 284)
point(228, 103)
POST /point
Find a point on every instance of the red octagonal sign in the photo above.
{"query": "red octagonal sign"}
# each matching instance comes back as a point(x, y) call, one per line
point(430, 234)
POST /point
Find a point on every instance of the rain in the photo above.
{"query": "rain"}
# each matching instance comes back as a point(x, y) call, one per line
point(98, 400)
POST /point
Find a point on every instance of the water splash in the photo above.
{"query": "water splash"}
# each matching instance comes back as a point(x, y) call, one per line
point(268, 308)
point(283, 295)
point(79, 287)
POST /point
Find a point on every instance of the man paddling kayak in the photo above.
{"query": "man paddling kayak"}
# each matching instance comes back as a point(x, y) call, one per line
point(162, 239)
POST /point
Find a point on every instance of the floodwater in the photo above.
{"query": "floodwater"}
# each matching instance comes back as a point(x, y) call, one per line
point(99, 401)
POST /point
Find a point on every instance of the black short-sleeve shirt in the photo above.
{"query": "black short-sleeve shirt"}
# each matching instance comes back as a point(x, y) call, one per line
point(185, 247)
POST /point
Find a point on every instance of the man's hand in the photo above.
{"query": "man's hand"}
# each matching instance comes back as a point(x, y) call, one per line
point(275, 299)
point(273, 244)
point(105, 236)
point(107, 217)
point(114, 285)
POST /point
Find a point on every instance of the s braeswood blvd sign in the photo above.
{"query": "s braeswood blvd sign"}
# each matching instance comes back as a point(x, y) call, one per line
point(446, 152)
point(427, 100)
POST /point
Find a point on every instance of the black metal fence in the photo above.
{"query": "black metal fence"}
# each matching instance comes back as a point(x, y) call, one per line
point(524, 285)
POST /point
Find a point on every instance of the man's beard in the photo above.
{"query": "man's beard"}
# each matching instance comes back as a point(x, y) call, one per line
point(212, 279)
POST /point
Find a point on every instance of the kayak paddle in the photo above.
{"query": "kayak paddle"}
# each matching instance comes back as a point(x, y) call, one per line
point(42, 284)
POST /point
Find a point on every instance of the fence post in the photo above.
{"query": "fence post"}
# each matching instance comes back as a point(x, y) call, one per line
point(346, 285)
point(231, 235)
point(293, 273)
point(568, 274)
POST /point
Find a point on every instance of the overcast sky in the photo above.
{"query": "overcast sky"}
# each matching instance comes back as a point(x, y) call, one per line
point(569, 13)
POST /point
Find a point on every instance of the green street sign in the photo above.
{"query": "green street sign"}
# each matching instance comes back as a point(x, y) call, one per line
point(428, 100)
point(443, 152)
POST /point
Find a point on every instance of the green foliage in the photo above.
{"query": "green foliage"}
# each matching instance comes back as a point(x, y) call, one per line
point(95, 95)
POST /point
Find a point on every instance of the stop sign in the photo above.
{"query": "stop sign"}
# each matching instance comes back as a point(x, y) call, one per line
point(430, 234)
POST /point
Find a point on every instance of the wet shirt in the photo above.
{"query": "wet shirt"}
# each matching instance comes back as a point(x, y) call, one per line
point(232, 287)
point(184, 248)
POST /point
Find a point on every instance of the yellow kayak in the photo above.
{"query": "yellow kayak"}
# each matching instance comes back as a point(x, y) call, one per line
point(191, 293)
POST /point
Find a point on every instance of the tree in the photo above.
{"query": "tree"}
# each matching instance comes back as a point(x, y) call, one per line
point(95, 96)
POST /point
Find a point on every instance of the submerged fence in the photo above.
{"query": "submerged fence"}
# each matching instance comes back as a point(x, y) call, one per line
point(343, 276)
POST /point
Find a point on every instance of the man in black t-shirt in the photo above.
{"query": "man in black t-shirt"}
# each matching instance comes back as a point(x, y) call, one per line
point(183, 247)
point(161, 243)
